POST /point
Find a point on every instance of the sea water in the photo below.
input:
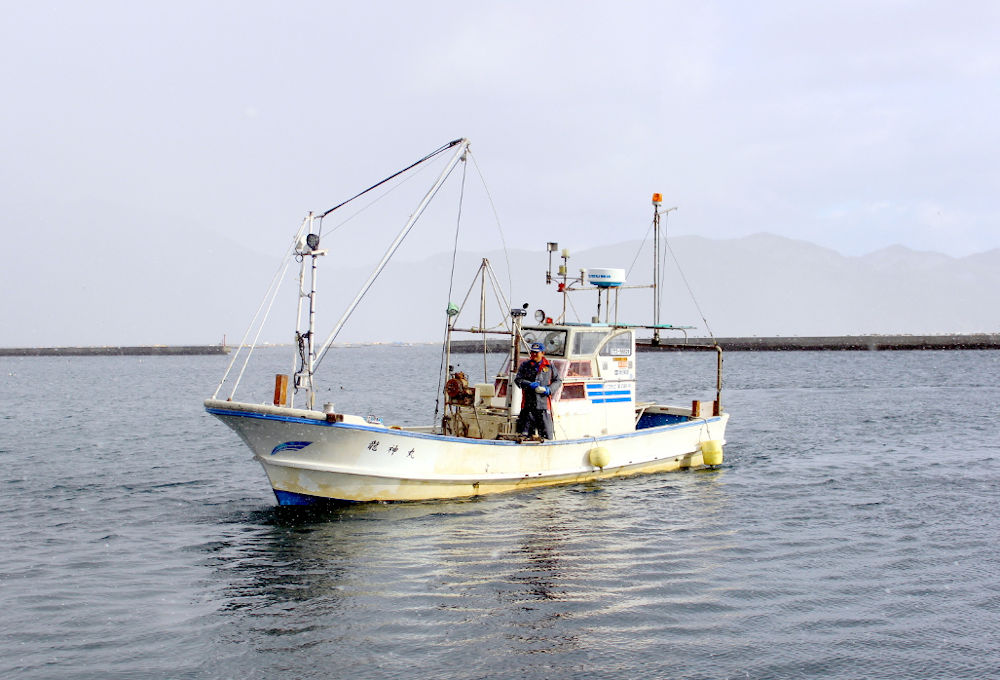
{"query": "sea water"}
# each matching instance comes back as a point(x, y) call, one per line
point(851, 533)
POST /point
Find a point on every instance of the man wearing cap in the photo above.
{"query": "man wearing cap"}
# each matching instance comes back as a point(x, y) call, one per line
point(538, 379)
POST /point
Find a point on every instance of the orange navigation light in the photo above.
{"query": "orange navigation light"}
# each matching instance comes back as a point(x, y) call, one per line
point(657, 199)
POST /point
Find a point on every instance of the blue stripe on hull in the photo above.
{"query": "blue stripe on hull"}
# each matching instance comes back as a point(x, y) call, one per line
point(292, 498)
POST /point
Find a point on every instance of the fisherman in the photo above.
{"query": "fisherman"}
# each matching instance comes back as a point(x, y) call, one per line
point(538, 379)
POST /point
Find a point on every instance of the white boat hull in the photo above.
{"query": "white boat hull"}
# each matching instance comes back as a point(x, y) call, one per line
point(309, 457)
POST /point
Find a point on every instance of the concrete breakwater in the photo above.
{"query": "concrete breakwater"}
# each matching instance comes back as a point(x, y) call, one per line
point(150, 350)
point(733, 344)
point(792, 344)
point(843, 343)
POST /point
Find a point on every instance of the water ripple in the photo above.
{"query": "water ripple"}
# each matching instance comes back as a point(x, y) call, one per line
point(850, 534)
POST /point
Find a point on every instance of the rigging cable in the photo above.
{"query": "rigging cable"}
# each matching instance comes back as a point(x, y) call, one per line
point(639, 250)
point(680, 271)
point(451, 285)
point(375, 200)
point(451, 281)
point(450, 166)
point(496, 216)
point(573, 307)
point(429, 156)
point(268, 300)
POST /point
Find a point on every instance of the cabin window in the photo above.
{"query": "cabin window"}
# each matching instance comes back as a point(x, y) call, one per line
point(554, 341)
point(587, 342)
point(560, 365)
point(618, 346)
point(572, 391)
point(581, 369)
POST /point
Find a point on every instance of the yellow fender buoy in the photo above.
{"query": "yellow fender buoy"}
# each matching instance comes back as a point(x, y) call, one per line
point(599, 457)
point(711, 452)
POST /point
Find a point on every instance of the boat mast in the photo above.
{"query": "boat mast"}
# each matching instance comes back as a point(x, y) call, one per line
point(306, 342)
point(517, 315)
point(312, 321)
point(657, 202)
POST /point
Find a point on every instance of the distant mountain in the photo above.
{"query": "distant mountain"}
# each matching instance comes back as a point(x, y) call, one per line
point(757, 285)
point(175, 282)
point(98, 275)
point(898, 255)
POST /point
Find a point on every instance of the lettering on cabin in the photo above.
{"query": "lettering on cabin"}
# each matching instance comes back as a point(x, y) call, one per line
point(373, 445)
point(393, 449)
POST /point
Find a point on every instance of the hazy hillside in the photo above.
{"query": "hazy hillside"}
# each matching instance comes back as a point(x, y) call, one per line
point(171, 282)
point(96, 275)
point(758, 285)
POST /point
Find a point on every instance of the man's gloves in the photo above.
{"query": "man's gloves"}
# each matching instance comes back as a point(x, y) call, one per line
point(539, 389)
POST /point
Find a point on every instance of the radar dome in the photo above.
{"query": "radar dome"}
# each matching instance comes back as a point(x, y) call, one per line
point(606, 278)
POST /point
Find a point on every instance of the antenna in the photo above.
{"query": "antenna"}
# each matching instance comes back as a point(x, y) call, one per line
point(657, 202)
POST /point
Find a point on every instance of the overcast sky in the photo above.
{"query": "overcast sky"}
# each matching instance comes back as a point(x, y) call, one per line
point(853, 125)
point(144, 145)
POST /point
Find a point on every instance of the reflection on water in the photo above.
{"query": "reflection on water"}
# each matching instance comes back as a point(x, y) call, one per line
point(495, 579)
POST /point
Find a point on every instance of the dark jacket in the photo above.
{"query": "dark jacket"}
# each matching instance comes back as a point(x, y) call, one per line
point(545, 374)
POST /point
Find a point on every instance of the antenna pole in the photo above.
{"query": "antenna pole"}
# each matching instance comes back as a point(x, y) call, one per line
point(656, 268)
point(657, 202)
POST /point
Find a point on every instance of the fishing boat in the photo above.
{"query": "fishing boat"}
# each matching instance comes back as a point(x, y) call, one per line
point(602, 429)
